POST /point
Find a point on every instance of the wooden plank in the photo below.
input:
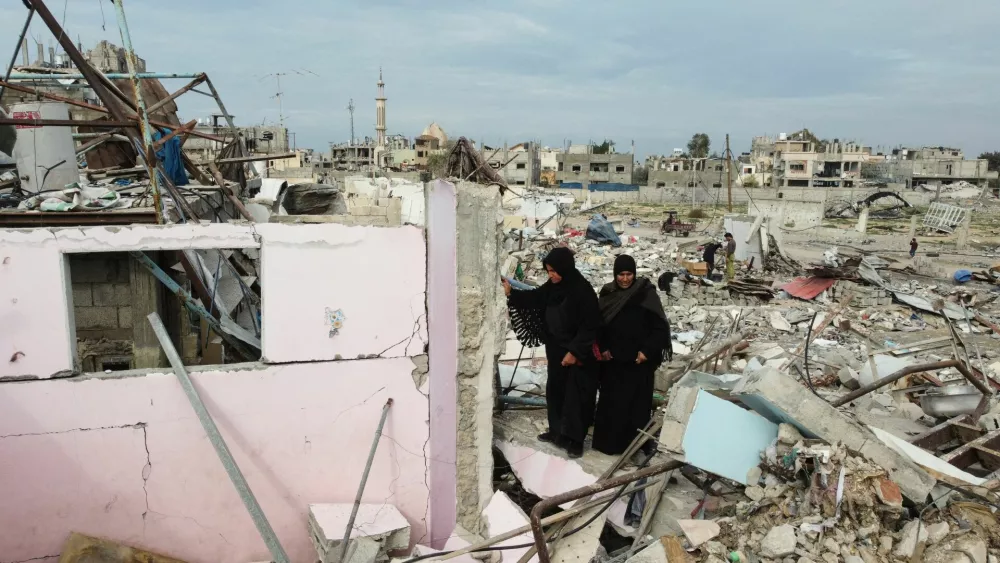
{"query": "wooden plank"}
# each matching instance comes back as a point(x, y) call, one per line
point(966, 454)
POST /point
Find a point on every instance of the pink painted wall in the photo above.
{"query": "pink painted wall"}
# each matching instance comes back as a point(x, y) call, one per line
point(126, 458)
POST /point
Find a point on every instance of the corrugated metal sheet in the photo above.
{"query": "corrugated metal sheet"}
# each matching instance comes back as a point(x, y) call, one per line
point(808, 288)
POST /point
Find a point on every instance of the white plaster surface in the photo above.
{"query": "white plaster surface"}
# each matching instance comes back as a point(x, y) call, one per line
point(36, 328)
point(127, 459)
point(375, 276)
point(137, 237)
point(543, 474)
point(502, 515)
point(377, 520)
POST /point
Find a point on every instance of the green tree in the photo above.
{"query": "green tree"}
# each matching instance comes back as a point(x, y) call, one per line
point(750, 181)
point(699, 145)
point(640, 175)
point(992, 159)
point(807, 135)
point(607, 147)
point(437, 164)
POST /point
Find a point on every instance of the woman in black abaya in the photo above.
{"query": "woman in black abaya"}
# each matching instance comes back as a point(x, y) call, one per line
point(633, 341)
point(567, 308)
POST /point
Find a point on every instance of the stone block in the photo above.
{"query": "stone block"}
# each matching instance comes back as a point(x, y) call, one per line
point(83, 295)
point(96, 317)
point(125, 317)
point(111, 295)
point(780, 398)
point(88, 269)
point(378, 529)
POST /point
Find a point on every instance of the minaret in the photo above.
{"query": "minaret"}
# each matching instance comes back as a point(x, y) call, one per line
point(380, 121)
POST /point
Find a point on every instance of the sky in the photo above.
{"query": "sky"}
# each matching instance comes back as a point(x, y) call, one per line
point(885, 73)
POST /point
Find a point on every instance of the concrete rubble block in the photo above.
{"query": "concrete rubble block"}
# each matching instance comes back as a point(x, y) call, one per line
point(111, 294)
point(779, 542)
point(937, 532)
point(83, 295)
point(698, 532)
point(698, 429)
point(96, 317)
point(912, 534)
point(378, 529)
point(652, 553)
point(502, 515)
point(780, 398)
point(583, 545)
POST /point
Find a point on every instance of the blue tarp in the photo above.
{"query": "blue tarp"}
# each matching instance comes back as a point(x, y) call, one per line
point(613, 187)
point(571, 185)
point(170, 155)
point(600, 229)
point(962, 276)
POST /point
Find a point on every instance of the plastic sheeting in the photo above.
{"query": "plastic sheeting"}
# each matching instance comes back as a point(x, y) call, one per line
point(173, 164)
point(600, 229)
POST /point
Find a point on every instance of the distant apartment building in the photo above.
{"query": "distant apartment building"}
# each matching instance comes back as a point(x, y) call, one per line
point(799, 163)
point(581, 165)
point(686, 172)
point(432, 140)
point(939, 165)
point(548, 159)
point(518, 165)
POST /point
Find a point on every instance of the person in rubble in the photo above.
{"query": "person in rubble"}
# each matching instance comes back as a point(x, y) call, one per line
point(730, 256)
point(913, 247)
point(570, 316)
point(708, 255)
point(633, 342)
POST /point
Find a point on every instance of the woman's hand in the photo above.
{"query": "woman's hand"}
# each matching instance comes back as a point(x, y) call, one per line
point(569, 360)
point(606, 356)
point(640, 358)
point(506, 286)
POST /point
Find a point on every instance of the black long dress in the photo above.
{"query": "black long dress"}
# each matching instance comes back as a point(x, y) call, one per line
point(626, 400)
point(571, 319)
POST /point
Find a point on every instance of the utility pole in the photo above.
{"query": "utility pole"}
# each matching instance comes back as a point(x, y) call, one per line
point(729, 175)
point(350, 108)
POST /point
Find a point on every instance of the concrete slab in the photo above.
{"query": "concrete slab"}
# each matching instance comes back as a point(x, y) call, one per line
point(652, 553)
point(705, 427)
point(780, 398)
point(502, 515)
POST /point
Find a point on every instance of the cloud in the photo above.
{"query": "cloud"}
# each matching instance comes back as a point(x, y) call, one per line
point(886, 73)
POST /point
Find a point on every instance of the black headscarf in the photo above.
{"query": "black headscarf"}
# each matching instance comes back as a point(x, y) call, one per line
point(561, 260)
point(613, 298)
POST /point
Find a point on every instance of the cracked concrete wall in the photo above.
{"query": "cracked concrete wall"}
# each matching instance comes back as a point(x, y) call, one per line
point(482, 328)
point(125, 458)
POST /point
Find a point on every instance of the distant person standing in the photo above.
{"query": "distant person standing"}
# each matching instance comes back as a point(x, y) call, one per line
point(709, 256)
point(730, 256)
point(913, 247)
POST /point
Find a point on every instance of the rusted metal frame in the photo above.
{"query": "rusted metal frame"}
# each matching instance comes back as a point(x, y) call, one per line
point(144, 127)
point(66, 123)
point(152, 109)
point(108, 93)
point(944, 433)
point(982, 449)
point(17, 48)
point(158, 144)
point(582, 492)
point(84, 105)
point(217, 174)
point(98, 140)
point(878, 384)
point(236, 133)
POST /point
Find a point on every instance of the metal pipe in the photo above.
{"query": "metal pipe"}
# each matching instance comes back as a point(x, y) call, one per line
point(529, 401)
point(364, 481)
point(241, 347)
point(20, 41)
point(255, 158)
point(600, 486)
point(201, 78)
point(217, 175)
point(895, 376)
point(221, 449)
point(147, 135)
point(110, 75)
point(66, 123)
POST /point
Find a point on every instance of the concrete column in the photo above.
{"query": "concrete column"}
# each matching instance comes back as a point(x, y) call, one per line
point(481, 339)
point(144, 298)
point(913, 226)
point(963, 232)
point(862, 221)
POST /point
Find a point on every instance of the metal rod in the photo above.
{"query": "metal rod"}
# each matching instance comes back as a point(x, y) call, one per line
point(241, 347)
point(147, 135)
point(364, 480)
point(600, 486)
point(201, 78)
point(109, 75)
point(99, 109)
point(529, 401)
point(179, 130)
point(255, 158)
point(554, 519)
point(235, 131)
point(221, 449)
point(229, 193)
point(66, 123)
point(20, 40)
point(895, 376)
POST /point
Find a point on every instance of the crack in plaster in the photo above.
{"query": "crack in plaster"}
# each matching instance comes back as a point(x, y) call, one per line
point(33, 559)
point(136, 425)
point(408, 340)
point(146, 470)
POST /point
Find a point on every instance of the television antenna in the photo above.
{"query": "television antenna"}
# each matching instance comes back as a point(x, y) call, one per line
point(279, 94)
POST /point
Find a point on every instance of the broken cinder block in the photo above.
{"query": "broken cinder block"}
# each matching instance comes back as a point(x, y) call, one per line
point(780, 398)
point(378, 529)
